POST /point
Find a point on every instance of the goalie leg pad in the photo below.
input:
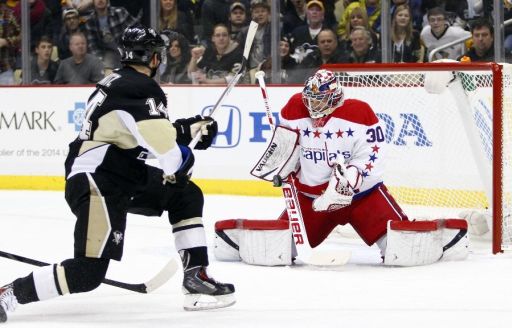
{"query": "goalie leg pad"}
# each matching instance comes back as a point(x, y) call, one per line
point(455, 239)
point(258, 242)
point(227, 240)
point(411, 243)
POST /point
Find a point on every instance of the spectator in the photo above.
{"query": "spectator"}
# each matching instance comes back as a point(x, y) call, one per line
point(507, 14)
point(214, 12)
point(10, 37)
point(218, 63)
point(482, 50)
point(439, 33)
point(362, 49)
point(104, 29)
point(416, 12)
point(357, 17)
point(456, 11)
point(43, 68)
point(288, 63)
point(84, 7)
point(295, 16)
point(178, 57)
point(372, 8)
point(81, 67)
point(72, 24)
point(406, 43)
point(136, 8)
point(260, 50)
point(40, 20)
point(326, 53)
point(176, 20)
point(237, 19)
point(305, 36)
point(55, 9)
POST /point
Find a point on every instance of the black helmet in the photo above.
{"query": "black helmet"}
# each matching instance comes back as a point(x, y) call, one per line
point(139, 43)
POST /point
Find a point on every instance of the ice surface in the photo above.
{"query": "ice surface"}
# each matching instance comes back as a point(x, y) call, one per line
point(363, 293)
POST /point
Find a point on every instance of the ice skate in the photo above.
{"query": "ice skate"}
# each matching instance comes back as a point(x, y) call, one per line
point(8, 301)
point(204, 293)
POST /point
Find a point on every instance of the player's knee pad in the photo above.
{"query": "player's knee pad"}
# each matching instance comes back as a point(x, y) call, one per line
point(84, 274)
point(259, 242)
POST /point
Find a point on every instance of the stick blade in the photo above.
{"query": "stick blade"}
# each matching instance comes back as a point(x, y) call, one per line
point(251, 32)
point(328, 258)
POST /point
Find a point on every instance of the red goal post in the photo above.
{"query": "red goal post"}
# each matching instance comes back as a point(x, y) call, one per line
point(447, 151)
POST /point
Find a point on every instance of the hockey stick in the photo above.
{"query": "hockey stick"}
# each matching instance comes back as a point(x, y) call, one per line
point(251, 32)
point(146, 287)
point(305, 253)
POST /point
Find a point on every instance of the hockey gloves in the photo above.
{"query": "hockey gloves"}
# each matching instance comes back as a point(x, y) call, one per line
point(181, 177)
point(342, 184)
point(187, 128)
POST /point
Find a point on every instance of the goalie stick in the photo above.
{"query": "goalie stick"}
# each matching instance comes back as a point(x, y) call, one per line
point(251, 32)
point(305, 253)
point(146, 287)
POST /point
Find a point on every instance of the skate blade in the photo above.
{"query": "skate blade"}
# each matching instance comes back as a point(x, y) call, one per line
point(200, 302)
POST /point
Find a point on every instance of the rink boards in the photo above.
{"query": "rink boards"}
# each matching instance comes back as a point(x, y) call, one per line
point(37, 123)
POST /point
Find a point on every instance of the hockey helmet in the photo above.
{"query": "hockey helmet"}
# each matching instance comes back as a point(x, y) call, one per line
point(322, 93)
point(139, 44)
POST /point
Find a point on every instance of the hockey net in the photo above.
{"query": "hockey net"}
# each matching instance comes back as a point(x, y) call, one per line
point(449, 151)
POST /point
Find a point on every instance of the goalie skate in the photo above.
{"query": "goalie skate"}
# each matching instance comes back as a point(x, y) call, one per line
point(204, 293)
point(8, 301)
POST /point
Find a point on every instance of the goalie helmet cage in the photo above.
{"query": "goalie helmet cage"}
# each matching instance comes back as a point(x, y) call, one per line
point(449, 151)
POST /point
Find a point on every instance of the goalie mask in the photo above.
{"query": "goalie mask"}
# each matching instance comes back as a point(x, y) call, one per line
point(322, 94)
point(139, 44)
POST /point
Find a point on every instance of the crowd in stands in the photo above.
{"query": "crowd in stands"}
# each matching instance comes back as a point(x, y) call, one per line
point(76, 41)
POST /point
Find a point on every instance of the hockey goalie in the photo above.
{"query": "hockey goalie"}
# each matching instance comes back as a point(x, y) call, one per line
point(331, 152)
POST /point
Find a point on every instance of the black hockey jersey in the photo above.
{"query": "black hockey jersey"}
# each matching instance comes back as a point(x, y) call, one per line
point(125, 120)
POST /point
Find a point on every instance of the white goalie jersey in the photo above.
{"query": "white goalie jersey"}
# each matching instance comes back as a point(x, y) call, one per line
point(351, 133)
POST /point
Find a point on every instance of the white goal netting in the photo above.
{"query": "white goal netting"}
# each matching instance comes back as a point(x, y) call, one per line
point(449, 151)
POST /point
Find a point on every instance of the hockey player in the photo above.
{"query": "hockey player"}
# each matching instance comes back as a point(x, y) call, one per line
point(337, 163)
point(106, 177)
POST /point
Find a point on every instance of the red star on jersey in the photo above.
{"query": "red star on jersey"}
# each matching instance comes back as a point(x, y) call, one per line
point(375, 149)
point(339, 134)
point(316, 134)
point(369, 166)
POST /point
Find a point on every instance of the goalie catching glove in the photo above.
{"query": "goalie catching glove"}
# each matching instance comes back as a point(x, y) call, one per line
point(344, 181)
point(188, 128)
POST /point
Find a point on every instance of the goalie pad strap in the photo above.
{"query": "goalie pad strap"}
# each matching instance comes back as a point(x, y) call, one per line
point(461, 234)
point(222, 235)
